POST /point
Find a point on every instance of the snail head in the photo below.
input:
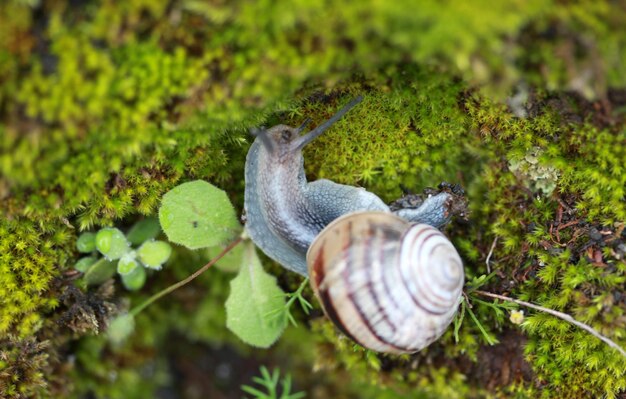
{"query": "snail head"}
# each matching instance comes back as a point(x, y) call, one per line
point(282, 140)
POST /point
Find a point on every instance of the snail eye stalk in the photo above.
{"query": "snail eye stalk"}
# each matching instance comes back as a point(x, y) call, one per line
point(300, 142)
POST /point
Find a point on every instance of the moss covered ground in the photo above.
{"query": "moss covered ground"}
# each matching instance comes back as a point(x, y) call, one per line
point(106, 105)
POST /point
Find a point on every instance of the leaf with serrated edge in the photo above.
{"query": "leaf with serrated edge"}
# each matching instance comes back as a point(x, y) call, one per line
point(253, 295)
point(198, 215)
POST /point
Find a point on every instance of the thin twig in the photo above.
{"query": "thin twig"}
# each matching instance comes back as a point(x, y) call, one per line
point(493, 246)
point(179, 284)
point(560, 315)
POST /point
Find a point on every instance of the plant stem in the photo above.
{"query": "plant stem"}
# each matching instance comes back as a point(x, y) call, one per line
point(179, 284)
point(489, 340)
point(560, 315)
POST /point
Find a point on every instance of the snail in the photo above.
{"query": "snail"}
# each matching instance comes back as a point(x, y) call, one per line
point(286, 216)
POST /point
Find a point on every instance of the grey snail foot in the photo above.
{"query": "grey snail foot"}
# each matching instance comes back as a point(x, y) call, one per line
point(435, 207)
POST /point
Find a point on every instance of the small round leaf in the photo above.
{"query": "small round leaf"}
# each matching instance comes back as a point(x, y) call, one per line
point(127, 264)
point(154, 253)
point(198, 215)
point(134, 280)
point(86, 242)
point(111, 243)
point(85, 263)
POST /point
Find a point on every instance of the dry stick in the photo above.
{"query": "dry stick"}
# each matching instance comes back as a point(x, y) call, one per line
point(179, 284)
point(493, 246)
point(560, 315)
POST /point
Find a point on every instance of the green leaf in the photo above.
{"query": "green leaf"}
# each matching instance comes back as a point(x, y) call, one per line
point(143, 230)
point(134, 280)
point(86, 242)
point(254, 294)
point(154, 253)
point(270, 383)
point(478, 281)
point(127, 264)
point(488, 337)
point(292, 298)
point(458, 320)
point(198, 215)
point(100, 272)
point(85, 263)
point(112, 243)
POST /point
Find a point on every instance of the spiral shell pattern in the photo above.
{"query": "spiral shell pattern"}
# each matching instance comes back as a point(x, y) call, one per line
point(390, 286)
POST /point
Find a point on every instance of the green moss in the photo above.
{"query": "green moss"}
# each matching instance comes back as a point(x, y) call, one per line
point(548, 249)
point(398, 137)
point(28, 263)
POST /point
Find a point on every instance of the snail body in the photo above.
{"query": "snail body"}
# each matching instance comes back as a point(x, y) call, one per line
point(390, 285)
point(284, 212)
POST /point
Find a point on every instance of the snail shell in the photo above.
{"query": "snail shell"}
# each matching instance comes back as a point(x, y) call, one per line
point(389, 285)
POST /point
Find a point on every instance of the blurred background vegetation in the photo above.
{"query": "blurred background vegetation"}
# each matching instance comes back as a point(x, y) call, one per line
point(106, 105)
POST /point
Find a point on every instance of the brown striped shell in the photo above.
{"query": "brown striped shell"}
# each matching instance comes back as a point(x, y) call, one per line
point(389, 285)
